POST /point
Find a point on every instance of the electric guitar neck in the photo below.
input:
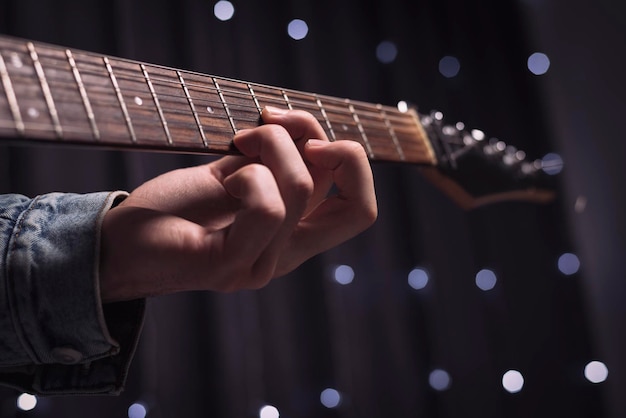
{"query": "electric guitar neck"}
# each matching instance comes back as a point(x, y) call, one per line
point(58, 95)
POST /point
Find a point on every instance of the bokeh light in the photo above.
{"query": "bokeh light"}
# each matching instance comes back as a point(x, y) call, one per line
point(418, 278)
point(552, 163)
point(344, 274)
point(386, 52)
point(224, 10)
point(513, 381)
point(439, 380)
point(330, 398)
point(486, 279)
point(596, 372)
point(297, 29)
point(269, 411)
point(26, 402)
point(449, 66)
point(538, 63)
point(568, 264)
point(137, 410)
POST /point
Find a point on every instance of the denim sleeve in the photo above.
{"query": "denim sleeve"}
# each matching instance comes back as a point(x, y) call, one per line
point(56, 337)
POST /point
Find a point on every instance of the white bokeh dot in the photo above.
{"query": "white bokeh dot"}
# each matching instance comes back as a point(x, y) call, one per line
point(269, 411)
point(439, 380)
point(418, 278)
point(137, 410)
point(297, 29)
point(568, 264)
point(344, 274)
point(330, 398)
point(224, 10)
point(538, 63)
point(486, 279)
point(596, 372)
point(26, 402)
point(513, 381)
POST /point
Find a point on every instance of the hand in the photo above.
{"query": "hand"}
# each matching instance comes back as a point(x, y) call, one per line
point(240, 221)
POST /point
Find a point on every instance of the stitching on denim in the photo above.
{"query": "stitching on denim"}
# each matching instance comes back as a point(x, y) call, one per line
point(10, 288)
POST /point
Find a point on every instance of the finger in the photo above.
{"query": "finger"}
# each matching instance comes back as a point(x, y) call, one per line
point(256, 224)
point(273, 146)
point(345, 214)
point(303, 126)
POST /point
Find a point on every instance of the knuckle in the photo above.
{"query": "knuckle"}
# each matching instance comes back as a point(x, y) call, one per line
point(302, 186)
point(273, 211)
point(370, 215)
point(307, 116)
point(354, 148)
point(274, 130)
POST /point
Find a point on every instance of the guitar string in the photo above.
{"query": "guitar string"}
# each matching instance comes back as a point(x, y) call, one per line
point(367, 106)
point(243, 90)
point(366, 113)
point(122, 73)
point(175, 97)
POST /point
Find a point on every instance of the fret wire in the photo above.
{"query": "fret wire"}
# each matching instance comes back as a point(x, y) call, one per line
point(42, 127)
point(286, 100)
point(330, 128)
point(158, 106)
point(361, 130)
point(193, 108)
point(83, 95)
point(206, 87)
point(226, 109)
point(136, 119)
point(429, 148)
point(121, 76)
point(120, 99)
point(392, 132)
point(256, 102)
point(399, 122)
point(18, 123)
point(45, 88)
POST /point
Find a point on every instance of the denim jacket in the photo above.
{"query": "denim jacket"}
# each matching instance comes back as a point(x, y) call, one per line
point(56, 337)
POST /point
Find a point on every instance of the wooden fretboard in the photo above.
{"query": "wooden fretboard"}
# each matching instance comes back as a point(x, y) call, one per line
point(53, 94)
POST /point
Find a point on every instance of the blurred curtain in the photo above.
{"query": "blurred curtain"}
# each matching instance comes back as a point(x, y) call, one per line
point(375, 340)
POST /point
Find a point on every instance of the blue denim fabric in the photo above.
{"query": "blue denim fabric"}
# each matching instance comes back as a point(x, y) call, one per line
point(55, 334)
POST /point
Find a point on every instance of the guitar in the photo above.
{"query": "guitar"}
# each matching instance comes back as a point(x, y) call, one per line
point(50, 94)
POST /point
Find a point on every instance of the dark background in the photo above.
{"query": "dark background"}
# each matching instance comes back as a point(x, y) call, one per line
point(376, 340)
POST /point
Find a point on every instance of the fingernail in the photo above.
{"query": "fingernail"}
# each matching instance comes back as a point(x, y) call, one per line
point(275, 110)
point(242, 131)
point(316, 142)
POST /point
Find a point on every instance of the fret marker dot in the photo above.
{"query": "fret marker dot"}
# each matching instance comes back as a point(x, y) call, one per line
point(210, 109)
point(138, 101)
point(16, 60)
point(344, 127)
point(33, 113)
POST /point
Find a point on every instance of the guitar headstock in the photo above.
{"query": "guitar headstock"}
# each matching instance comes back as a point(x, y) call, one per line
point(475, 170)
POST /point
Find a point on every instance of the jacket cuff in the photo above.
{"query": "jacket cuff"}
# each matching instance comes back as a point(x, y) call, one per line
point(71, 342)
